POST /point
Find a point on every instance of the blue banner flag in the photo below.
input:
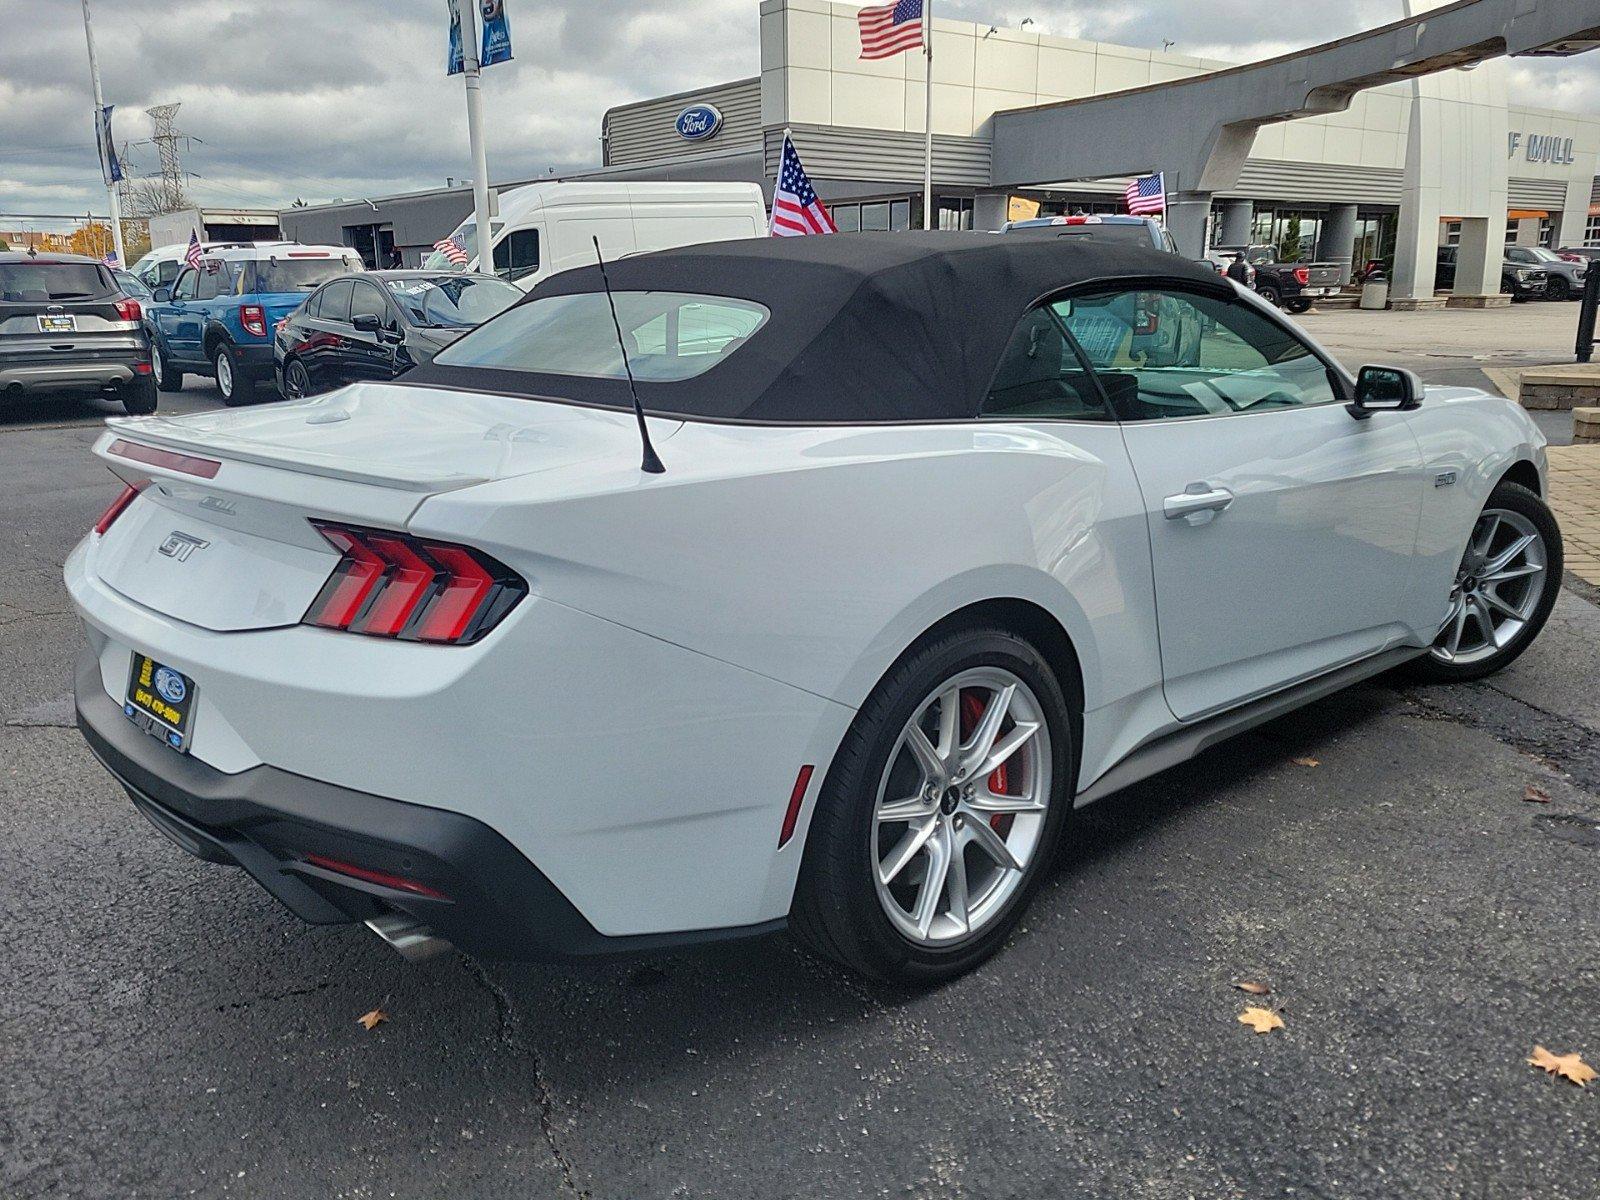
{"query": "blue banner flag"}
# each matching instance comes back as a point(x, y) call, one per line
point(110, 167)
point(496, 33)
point(454, 65)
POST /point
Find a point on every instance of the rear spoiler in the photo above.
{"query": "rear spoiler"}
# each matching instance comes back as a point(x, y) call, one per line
point(164, 434)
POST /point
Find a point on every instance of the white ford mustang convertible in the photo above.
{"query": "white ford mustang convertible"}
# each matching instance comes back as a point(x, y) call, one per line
point(955, 534)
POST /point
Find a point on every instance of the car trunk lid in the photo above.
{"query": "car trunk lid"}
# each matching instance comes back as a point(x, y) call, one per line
point(222, 536)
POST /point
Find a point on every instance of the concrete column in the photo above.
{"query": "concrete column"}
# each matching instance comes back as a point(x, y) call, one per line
point(1237, 216)
point(989, 209)
point(1478, 257)
point(1416, 241)
point(1186, 221)
point(1337, 243)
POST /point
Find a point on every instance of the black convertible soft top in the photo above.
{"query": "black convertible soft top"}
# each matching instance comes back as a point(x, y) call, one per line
point(865, 327)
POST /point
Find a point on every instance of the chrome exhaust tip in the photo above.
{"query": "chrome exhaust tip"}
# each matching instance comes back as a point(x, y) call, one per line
point(411, 939)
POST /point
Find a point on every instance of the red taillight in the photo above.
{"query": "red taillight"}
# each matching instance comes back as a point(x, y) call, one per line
point(116, 508)
point(254, 319)
point(1303, 275)
point(393, 585)
point(128, 309)
point(382, 878)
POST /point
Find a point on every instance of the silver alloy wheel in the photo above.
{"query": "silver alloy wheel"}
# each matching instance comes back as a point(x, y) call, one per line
point(961, 806)
point(1496, 590)
point(155, 366)
point(224, 374)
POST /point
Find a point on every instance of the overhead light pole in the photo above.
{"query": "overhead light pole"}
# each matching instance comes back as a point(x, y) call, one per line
point(472, 74)
point(102, 138)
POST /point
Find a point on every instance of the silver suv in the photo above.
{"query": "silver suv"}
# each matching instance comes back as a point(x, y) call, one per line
point(66, 325)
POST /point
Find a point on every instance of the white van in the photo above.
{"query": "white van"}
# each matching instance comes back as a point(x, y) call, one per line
point(162, 264)
point(548, 227)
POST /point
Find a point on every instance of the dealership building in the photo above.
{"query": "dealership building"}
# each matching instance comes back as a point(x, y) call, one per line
point(1341, 177)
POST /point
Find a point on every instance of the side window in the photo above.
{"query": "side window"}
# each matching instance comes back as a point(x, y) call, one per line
point(336, 300)
point(1041, 376)
point(366, 300)
point(1170, 354)
point(184, 289)
point(517, 254)
point(210, 281)
point(313, 306)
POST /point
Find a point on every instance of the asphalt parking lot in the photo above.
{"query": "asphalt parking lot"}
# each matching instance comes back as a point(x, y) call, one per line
point(167, 1030)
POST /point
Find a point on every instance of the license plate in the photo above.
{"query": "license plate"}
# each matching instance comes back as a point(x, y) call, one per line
point(58, 324)
point(159, 701)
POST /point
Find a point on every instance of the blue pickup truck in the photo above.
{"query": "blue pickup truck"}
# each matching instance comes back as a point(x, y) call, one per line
point(218, 318)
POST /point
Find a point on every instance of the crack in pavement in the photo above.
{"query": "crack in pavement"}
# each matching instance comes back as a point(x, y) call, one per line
point(1570, 747)
point(273, 996)
point(505, 1014)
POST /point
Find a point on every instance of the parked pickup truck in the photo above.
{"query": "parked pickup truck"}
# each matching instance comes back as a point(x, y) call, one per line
point(1294, 287)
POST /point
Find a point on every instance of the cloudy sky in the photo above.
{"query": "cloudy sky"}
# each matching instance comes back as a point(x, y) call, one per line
point(347, 98)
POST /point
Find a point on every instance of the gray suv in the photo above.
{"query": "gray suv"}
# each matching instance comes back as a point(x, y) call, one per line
point(66, 325)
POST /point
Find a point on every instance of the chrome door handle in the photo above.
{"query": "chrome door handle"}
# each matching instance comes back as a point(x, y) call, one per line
point(1196, 498)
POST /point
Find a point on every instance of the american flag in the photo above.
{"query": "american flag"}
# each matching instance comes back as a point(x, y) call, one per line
point(192, 255)
point(890, 28)
point(111, 259)
point(452, 250)
point(1147, 194)
point(795, 207)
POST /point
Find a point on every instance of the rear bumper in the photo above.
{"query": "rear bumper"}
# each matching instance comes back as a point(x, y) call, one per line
point(492, 901)
point(256, 358)
point(68, 370)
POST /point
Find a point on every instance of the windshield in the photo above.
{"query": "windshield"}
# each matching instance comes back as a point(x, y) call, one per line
point(452, 301)
point(670, 336)
point(1540, 254)
point(34, 282)
point(465, 236)
point(294, 274)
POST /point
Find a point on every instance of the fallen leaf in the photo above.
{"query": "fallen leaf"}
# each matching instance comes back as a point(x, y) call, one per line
point(1568, 1066)
point(1262, 1020)
point(1306, 762)
point(1255, 989)
point(372, 1019)
point(1535, 795)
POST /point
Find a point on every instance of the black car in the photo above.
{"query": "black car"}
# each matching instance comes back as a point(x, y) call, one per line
point(378, 324)
point(1517, 280)
point(1293, 287)
point(65, 326)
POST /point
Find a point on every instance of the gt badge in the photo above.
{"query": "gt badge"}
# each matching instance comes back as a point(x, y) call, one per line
point(180, 545)
point(1444, 479)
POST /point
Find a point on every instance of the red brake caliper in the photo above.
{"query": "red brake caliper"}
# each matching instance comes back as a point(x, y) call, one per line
point(971, 714)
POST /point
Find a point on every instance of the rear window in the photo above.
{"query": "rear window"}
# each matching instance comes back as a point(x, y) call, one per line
point(36, 282)
point(293, 274)
point(670, 336)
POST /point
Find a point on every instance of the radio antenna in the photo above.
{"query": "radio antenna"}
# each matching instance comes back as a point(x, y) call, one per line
point(651, 464)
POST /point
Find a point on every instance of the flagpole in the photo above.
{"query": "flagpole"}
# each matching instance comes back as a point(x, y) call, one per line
point(927, 118)
point(99, 117)
point(472, 73)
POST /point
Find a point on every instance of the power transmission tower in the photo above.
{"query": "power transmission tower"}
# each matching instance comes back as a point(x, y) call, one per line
point(166, 138)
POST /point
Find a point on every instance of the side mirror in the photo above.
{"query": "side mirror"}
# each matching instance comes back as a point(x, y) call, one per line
point(162, 294)
point(366, 322)
point(1385, 389)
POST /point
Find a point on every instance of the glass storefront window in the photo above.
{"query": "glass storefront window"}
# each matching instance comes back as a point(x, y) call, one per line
point(875, 215)
point(1591, 231)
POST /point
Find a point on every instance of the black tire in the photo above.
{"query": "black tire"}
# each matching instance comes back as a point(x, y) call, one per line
point(235, 385)
point(1518, 499)
point(168, 377)
point(1270, 294)
point(138, 396)
point(1297, 306)
point(1559, 288)
point(296, 380)
point(836, 910)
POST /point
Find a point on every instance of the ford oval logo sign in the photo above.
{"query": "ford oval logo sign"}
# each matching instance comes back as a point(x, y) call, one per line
point(698, 122)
